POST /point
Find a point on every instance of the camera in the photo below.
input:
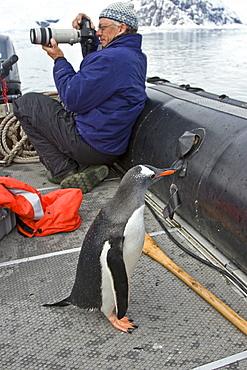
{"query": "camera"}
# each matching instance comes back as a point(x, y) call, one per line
point(66, 36)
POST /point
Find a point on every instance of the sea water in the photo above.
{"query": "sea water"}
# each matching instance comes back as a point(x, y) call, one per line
point(212, 59)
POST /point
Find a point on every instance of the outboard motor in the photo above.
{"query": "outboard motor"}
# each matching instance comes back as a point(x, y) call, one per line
point(10, 85)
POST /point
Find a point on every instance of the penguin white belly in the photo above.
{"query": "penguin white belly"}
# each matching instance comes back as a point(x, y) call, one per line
point(107, 287)
point(134, 234)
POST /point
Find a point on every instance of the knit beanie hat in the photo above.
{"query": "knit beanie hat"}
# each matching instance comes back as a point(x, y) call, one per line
point(121, 12)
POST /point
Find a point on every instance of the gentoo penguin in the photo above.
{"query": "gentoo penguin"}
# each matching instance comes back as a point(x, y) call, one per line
point(112, 247)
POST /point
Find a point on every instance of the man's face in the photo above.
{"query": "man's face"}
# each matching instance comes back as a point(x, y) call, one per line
point(107, 31)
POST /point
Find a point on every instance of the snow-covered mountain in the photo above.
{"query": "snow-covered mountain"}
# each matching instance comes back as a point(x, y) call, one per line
point(155, 13)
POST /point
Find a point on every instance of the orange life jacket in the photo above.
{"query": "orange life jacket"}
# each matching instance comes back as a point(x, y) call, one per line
point(38, 214)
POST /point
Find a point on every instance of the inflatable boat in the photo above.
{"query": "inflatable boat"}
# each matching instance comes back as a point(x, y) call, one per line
point(205, 137)
point(196, 314)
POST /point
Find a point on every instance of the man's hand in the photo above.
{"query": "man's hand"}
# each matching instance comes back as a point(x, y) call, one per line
point(78, 19)
point(53, 51)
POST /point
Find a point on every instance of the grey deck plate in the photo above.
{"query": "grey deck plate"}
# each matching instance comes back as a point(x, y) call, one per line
point(177, 328)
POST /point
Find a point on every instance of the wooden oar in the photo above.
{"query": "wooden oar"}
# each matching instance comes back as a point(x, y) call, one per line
point(151, 249)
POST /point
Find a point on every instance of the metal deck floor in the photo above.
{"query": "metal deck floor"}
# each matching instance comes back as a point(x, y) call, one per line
point(177, 328)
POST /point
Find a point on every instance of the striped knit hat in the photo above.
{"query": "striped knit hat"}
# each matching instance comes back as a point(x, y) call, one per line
point(121, 12)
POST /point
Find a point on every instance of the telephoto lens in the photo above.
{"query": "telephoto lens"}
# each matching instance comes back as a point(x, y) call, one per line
point(43, 36)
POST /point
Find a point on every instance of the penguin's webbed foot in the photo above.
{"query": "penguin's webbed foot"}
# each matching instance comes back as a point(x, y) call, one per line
point(125, 324)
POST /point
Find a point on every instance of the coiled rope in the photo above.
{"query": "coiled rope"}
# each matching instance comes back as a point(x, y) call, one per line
point(14, 143)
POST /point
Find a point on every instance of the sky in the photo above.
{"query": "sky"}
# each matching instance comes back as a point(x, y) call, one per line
point(27, 11)
point(239, 6)
point(93, 8)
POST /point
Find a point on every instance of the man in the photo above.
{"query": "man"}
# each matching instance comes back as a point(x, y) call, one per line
point(103, 100)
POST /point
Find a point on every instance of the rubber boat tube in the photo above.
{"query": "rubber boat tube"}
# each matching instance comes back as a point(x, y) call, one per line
point(206, 137)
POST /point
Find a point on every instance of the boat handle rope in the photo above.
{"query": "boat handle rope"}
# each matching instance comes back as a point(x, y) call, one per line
point(210, 264)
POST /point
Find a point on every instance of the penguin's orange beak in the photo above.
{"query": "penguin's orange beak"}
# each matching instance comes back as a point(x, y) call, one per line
point(168, 171)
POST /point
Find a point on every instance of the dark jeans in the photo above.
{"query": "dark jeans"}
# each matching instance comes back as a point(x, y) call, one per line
point(52, 132)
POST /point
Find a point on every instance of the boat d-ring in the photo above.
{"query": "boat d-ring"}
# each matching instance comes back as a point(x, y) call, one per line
point(188, 145)
point(173, 203)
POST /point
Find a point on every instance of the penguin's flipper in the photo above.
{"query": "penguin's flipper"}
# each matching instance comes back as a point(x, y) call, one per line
point(120, 280)
point(64, 302)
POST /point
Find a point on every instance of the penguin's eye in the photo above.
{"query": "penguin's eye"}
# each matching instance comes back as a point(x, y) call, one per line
point(152, 176)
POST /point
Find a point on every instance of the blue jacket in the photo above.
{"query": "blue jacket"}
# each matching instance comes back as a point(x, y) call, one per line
point(107, 93)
